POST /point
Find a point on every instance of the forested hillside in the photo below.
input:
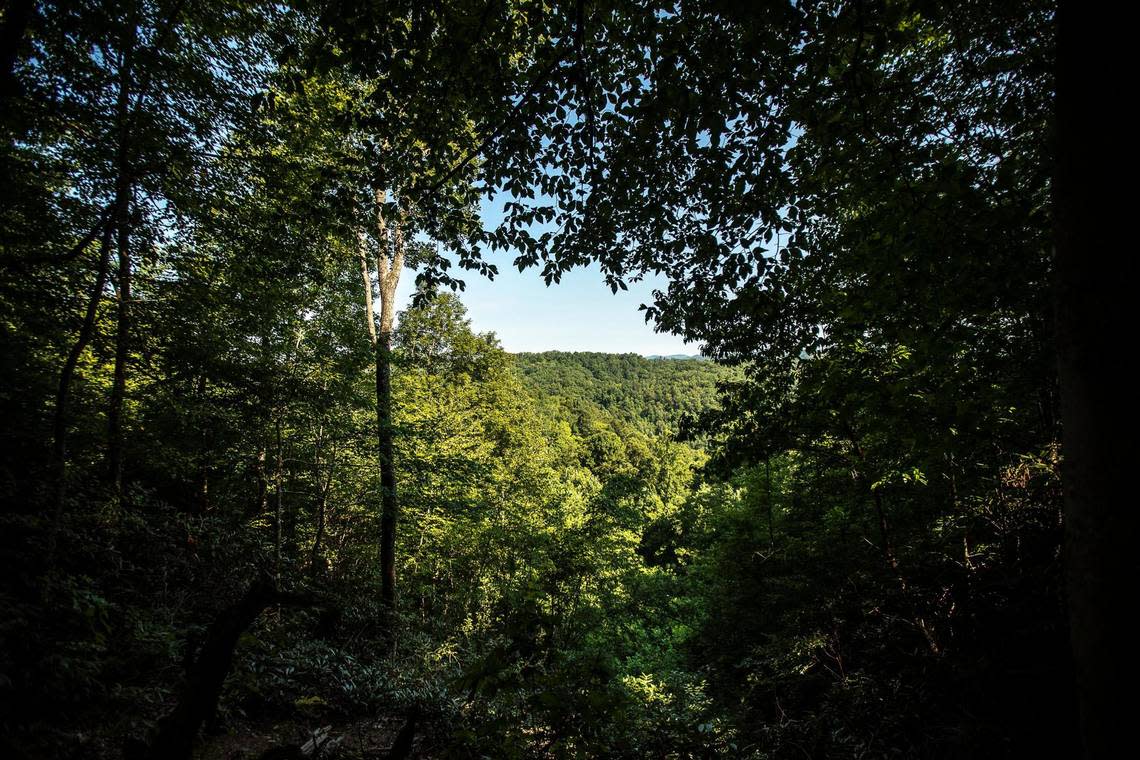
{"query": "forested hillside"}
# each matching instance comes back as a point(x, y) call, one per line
point(652, 394)
point(256, 505)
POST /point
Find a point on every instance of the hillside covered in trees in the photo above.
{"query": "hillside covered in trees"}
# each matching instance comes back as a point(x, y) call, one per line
point(256, 506)
point(654, 394)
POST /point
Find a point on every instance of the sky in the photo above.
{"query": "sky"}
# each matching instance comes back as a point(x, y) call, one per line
point(578, 314)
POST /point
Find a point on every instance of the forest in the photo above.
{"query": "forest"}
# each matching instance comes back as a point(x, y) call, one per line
point(656, 395)
point(255, 505)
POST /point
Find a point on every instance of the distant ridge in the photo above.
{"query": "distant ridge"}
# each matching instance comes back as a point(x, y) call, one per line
point(651, 393)
point(554, 353)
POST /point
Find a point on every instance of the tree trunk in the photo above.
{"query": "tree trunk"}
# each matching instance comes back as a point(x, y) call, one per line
point(63, 392)
point(122, 355)
point(768, 499)
point(201, 502)
point(1090, 304)
point(261, 504)
point(387, 469)
point(369, 296)
point(389, 263)
point(317, 566)
point(123, 191)
point(174, 739)
point(278, 496)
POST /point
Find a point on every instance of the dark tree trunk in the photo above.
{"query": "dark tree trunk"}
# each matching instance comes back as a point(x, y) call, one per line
point(768, 499)
point(388, 504)
point(122, 355)
point(200, 505)
point(391, 243)
point(63, 392)
point(1090, 320)
point(317, 566)
point(278, 506)
point(174, 738)
point(123, 191)
point(261, 503)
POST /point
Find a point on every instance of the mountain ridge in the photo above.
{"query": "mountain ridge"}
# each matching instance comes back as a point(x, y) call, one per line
point(653, 394)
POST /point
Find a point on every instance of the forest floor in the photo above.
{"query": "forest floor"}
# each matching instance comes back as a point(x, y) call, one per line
point(363, 738)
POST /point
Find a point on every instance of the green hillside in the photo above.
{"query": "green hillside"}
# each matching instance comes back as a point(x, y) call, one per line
point(651, 394)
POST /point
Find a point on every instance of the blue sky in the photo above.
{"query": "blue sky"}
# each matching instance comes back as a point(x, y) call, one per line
point(578, 314)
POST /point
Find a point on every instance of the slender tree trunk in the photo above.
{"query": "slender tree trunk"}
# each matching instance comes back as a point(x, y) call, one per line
point(201, 503)
point(262, 503)
point(389, 263)
point(316, 562)
point(63, 392)
point(859, 472)
point(1091, 316)
point(369, 295)
point(388, 503)
point(122, 356)
point(768, 488)
point(120, 219)
point(389, 279)
point(123, 192)
point(278, 503)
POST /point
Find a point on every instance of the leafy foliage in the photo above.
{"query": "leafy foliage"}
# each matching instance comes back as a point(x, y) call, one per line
point(654, 395)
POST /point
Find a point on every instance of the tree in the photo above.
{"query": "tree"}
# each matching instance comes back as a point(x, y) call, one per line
point(1090, 310)
point(124, 105)
point(418, 124)
point(389, 263)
